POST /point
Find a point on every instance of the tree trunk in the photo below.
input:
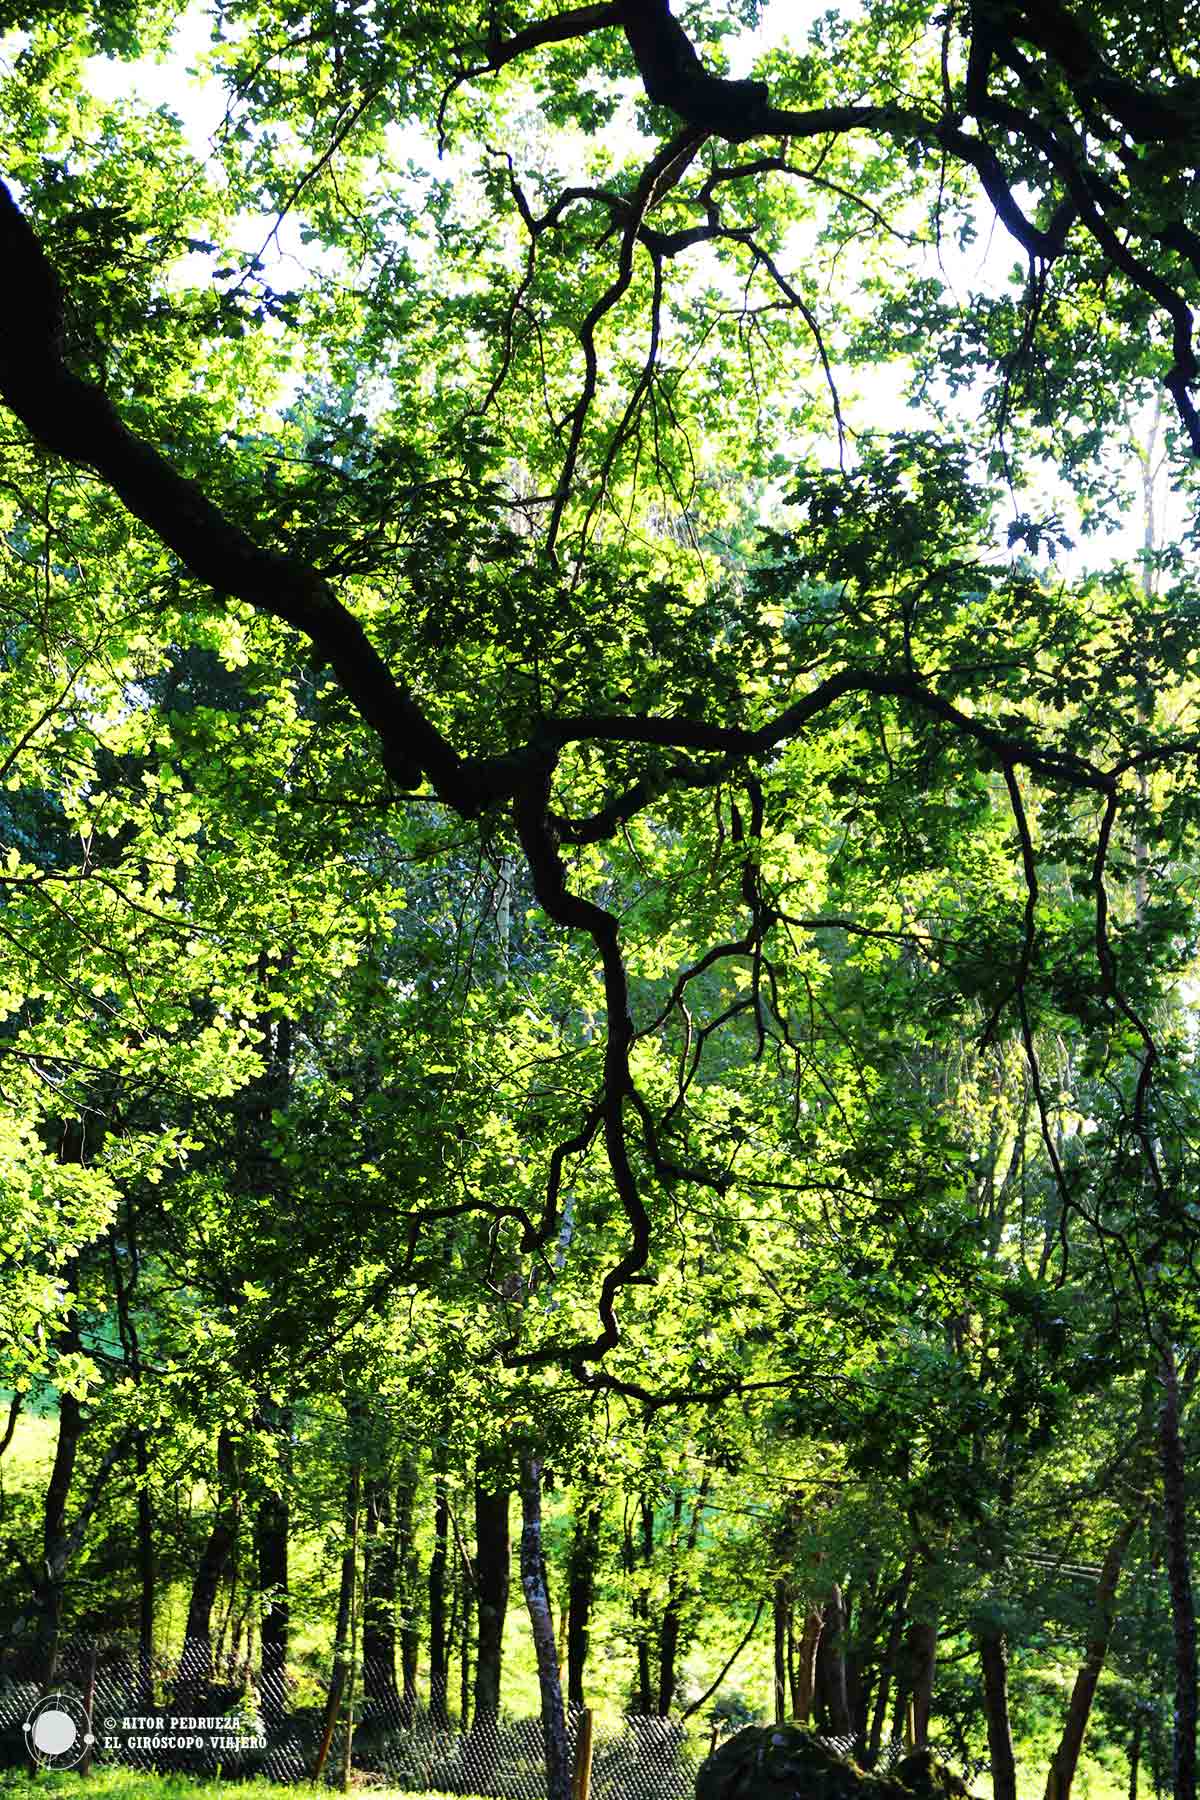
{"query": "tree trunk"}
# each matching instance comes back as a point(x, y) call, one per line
point(806, 1664)
point(541, 1622)
point(639, 1609)
point(464, 1657)
point(379, 1602)
point(408, 1577)
point(993, 1656)
point(60, 1541)
point(888, 1666)
point(48, 1594)
point(271, 1553)
point(493, 1559)
point(780, 1616)
point(196, 1659)
point(678, 1594)
point(144, 1508)
point(922, 1660)
point(146, 1575)
point(831, 1666)
point(438, 1662)
point(1066, 1758)
point(581, 1592)
point(341, 1639)
point(1179, 1581)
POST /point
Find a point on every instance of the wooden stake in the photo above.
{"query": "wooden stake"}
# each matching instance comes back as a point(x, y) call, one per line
point(581, 1780)
point(89, 1701)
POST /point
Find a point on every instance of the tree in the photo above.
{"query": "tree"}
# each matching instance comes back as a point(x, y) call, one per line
point(511, 613)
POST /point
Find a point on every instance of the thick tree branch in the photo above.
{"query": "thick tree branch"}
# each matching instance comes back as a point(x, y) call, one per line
point(74, 419)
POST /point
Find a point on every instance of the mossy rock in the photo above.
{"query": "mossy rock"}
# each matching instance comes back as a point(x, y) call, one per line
point(782, 1762)
point(922, 1774)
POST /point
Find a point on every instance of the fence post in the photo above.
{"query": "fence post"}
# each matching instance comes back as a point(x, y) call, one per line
point(89, 1701)
point(581, 1779)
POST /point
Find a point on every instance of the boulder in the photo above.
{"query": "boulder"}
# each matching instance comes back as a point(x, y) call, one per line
point(783, 1762)
point(922, 1774)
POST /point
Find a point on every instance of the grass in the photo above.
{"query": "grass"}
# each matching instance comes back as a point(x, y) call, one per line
point(134, 1784)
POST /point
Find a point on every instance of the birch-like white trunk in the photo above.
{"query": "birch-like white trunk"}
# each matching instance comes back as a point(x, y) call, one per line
point(541, 1621)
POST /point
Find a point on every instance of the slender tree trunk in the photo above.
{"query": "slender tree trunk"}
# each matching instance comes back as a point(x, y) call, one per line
point(638, 1606)
point(585, 1550)
point(60, 1541)
point(144, 1506)
point(780, 1616)
point(993, 1656)
point(887, 1669)
point(793, 1676)
point(340, 1671)
point(831, 1666)
point(922, 1660)
point(493, 1559)
point(146, 1574)
point(806, 1664)
point(196, 1659)
point(1135, 1755)
point(271, 1554)
point(1179, 1581)
point(860, 1645)
point(541, 1622)
point(48, 1595)
point(439, 1671)
point(379, 1601)
point(464, 1659)
point(1066, 1758)
point(408, 1576)
point(678, 1594)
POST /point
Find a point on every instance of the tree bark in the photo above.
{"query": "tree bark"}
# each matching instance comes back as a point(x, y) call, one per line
point(887, 1669)
point(341, 1639)
point(48, 1595)
point(1065, 1760)
point(408, 1575)
point(581, 1592)
point(993, 1656)
point(1179, 1580)
point(379, 1601)
point(493, 1559)
point(831, 1666)
point(439, 1671)
point(639, 1609)
point(196, 1659)
point(780, 1617)
point(271, 1554)
point(806, 1664)
point(60, 1541)
point(678, 1594)
point(922, 1660)
point(541, 1622)
point(147, 1567)
point(144, 1507)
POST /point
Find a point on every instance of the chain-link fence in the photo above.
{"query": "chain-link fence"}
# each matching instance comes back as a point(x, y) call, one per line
point(182, 1715)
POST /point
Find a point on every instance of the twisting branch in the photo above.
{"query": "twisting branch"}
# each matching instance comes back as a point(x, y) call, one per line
point(531, 813)
point(670, 157)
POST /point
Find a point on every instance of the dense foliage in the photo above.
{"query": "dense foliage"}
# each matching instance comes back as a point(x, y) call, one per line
point(599, 824)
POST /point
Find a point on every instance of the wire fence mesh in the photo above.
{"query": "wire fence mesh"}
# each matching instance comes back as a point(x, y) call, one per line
point(183, 1715)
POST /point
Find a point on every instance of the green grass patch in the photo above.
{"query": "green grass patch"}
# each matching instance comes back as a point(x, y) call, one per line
point(136, 1784)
